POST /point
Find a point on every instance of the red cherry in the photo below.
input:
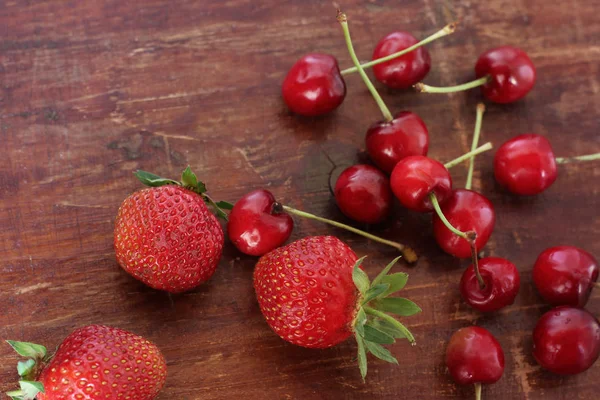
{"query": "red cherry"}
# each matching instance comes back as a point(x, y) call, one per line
point(314, 85)
point(474, 356)
point(404, 71)
point(415, 177)
point(565, 275)
point(363, 193)
point(502, 283)
point(389, 142)
point(566, 340)
point(255, 226)
point(525, 164)
point(511, 72)
point(467, 211)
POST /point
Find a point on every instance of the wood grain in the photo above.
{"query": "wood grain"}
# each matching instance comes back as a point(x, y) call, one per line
point(92, 90)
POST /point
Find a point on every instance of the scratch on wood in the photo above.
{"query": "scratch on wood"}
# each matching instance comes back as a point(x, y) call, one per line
point(31, 288)
point(67, 204)
point(522, 367)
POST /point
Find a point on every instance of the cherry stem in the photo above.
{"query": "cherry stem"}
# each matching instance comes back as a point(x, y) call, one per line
point(423, 88)
point(597, 285)
point(587, 157)
point(445, 31)
point(474, 143)
point(408, 253)
point(469, 155)
point(468, 236)
point(343, 20)
point(478, 391)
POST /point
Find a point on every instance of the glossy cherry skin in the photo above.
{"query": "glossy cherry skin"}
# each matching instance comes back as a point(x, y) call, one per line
point(389, 142)
point(512, 74)
point(565, 275)
point(525, 164)
point(406, 70)
point(255, 226)
point(566, 340)
point(363, 193)
point(415, 177)
point(314, 85)
point(502, 284)
point(474, 356)
point(467, 211)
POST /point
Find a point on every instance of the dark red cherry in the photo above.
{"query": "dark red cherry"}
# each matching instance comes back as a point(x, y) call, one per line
point(406, 70)
point(389, 142)
point(502, 284)
point(314, 85)
point(415, 177)
point(255, 225)
point(566, 340)
point(565, 275)
point(525, 164)
point(467, 211)
point(363, 193)
point(474, 356)
point(512, 74)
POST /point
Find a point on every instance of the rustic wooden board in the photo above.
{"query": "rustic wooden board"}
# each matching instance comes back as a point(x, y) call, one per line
point(92, 90)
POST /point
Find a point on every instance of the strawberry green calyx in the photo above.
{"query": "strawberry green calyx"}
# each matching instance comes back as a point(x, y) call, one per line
point(373, 326)
point(190, 181)
point(28, 369)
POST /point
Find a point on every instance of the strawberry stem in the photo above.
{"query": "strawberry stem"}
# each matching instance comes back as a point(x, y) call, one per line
point(445, 31)
point(409, 254)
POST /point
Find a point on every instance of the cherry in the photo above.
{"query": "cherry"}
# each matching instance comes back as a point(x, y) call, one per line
point(525, 164)
point(405, 71)
point(566, 340)
point(415, 178)
point(496, 287)
point(474, 357)
point(314, 85)
point(565, 275)
point(255, 225)
point(505, 74)
point(363, 193)
point(390, 141)
point(466, 211)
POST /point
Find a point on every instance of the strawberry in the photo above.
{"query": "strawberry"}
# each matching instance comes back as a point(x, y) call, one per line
point(92, 363)
point(314, 293)
point(166, 236)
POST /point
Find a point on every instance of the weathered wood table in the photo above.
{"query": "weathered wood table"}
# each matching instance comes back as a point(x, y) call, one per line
point(91, 90)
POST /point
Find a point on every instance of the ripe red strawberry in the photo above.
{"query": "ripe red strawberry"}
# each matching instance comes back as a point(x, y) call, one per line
point(92, 363)
point(166, 236)
point(314, 294)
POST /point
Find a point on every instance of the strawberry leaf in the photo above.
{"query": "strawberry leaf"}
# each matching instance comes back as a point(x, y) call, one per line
point(381, 352)
point(361, 320)
point(375, 291)
point(399, 306)
point(360, 278)
point(362, 356)
point(384, 326)
point(385, 270)
point(30, 350)
point(149, 179)
point(397, 282)
point(189, 179)
point(376, 336)
point(15, 395)
point(224, 205)
point(24, 368)
point(30, 389)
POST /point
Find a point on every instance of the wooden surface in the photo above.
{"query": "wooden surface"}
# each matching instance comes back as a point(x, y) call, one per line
point(91, 90)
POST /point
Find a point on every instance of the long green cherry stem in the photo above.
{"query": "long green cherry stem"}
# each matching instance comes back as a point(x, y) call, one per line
point(478, 391)
point(468, 236)
point(476, 133)
point(423, 88)
point(587, 157)
point(343, 20)
point(408, 253)
point(471, 154)
point(445, 31)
